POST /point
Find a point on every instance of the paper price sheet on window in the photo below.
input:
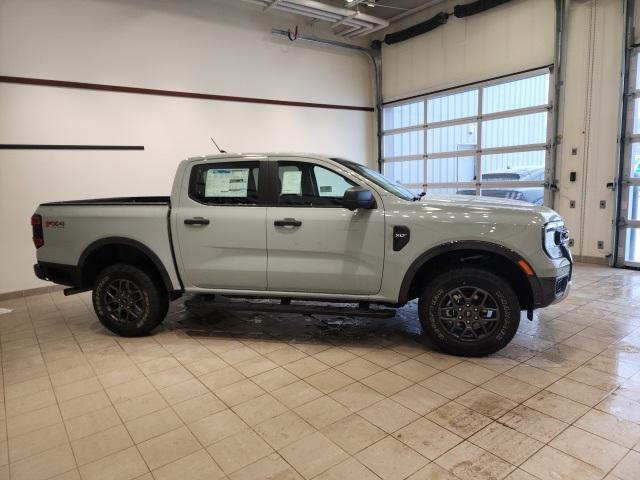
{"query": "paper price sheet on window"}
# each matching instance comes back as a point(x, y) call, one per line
point(233, 182)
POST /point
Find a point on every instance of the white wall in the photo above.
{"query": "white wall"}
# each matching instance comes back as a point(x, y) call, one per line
point(510, 38)
point(219, 47)
point(518, 36)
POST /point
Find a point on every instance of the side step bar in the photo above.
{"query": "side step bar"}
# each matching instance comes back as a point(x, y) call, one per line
point(288, 308)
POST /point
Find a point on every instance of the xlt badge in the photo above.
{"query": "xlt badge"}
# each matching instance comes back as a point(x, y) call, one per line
point(401, 236)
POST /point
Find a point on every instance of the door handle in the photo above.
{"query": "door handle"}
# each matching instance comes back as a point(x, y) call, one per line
point(287, 222)
point(196, 221)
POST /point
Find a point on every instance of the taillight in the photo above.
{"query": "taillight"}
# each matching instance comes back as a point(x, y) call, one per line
point(36, 227)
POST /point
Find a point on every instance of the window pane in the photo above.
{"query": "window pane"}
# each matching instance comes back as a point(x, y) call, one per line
point(635, 160)
point(530, 194)
point(304, 183)
point(516, 166)
point(453, 169)
point(633, 212)
point(407, 115)
point(405, 172)
point(519, 130)
point(232, 183)
point(452, 139)
point(450, 107)
point(528, 92)
point(632, 251)
point(403, 144)
point(329, 183)
point(636, 115)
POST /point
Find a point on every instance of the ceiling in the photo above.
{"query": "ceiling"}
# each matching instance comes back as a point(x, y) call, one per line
point(386, 9)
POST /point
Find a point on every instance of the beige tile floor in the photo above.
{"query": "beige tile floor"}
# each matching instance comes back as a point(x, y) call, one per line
point(253, 396)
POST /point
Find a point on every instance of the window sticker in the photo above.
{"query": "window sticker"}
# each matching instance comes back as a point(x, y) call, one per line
point(291, 182)
point(232, 182)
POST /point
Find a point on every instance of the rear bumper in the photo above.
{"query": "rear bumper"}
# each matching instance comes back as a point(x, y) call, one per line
point(57, 273)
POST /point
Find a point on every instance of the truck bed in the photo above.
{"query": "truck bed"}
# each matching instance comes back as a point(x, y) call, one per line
point(156, 200)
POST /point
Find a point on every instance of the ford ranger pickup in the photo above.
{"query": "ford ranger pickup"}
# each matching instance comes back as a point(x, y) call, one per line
point(295, 227)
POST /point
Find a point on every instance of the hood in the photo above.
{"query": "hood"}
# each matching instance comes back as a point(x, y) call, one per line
point(488, 204)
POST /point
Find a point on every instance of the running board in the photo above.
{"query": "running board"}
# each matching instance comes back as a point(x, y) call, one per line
point(284, 308)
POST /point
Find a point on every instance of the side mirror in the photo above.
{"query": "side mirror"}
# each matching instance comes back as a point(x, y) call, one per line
point(358, 197)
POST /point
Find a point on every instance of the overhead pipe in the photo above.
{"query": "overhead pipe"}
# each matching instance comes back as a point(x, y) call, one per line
point(479, 6)
point(418, 29)
point(459, 11)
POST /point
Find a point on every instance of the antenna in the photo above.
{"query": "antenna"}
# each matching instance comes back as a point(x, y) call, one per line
point(214, 142)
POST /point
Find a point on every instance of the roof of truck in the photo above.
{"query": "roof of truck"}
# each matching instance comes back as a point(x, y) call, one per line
point(258, 155)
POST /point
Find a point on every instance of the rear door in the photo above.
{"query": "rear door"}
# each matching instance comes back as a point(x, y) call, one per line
point(220, 225)
point(316, 245)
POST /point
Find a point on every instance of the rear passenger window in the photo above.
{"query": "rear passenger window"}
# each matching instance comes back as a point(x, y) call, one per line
point(232, 183)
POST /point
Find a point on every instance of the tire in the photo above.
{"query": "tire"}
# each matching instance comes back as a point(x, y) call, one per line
point(128, 301)
point(452, 315)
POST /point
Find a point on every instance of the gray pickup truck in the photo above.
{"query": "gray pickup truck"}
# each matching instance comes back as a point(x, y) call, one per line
point(295, 227)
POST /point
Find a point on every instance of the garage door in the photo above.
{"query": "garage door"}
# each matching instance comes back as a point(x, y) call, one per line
point(629, 211)
point(489, 139)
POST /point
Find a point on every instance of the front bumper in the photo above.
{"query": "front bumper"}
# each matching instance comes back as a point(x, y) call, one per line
point(550, 290)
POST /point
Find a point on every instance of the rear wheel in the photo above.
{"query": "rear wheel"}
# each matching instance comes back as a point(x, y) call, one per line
point(128, 301)
point(469, 311)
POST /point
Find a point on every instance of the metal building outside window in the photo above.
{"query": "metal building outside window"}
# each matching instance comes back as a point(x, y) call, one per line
point(491, 139)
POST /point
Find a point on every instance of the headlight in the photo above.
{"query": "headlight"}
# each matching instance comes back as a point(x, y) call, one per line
point(554, 237)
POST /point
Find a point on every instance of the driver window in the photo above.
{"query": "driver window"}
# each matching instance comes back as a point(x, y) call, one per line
point(307, 184)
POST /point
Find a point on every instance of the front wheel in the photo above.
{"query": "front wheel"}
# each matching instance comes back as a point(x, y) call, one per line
point(128, 301)
point(469, 311)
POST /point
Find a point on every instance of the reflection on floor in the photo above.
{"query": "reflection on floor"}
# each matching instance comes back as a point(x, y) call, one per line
point(255, 396)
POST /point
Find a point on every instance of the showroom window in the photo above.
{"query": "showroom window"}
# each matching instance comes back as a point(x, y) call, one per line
point(489, 139)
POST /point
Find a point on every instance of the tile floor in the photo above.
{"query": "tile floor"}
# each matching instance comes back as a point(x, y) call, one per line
point(254, 396)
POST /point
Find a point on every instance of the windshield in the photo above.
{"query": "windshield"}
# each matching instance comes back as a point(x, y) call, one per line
point(378, 179)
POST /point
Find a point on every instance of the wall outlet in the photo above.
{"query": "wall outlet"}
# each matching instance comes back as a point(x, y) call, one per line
point(574, 151)
point(600, 245)
point(603, 204)
point(572, 204)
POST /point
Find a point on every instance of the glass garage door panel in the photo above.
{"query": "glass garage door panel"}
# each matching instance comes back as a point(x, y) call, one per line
point(452, 107)
point(451, 169)
point(451, 191)
point(401, 116)
point(453, 138)
point(514, 167)
point(634, 203)
point(513, 131)
point(632, 248)
point(411, 171)
point(533, 195)
point(635, 161)
point(525, 93)
point(404, 144)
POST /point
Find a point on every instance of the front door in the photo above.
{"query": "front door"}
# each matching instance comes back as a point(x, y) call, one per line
point(314, 244)
point(221, 226)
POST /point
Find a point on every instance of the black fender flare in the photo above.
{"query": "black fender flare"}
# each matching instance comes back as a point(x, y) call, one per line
point(150, 254)
point(477, 245)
